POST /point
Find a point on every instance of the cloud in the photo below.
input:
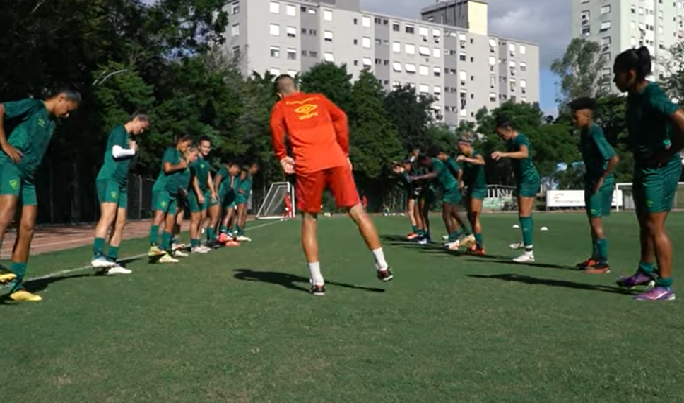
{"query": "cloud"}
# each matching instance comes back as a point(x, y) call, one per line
point(545, 22)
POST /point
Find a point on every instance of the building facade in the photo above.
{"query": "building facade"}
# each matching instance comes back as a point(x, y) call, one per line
point(447, 54)
point(617, 25)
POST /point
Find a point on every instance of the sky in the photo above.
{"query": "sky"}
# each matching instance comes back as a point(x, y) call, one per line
point(545, 22)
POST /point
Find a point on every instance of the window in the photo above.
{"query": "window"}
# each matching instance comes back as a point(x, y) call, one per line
point(235, 8)
point(492, 81)
point(437, 52)
point(511, 67)
point(366, 42)
point(523, 49)
point(463, 76)
point(436, 33)
point(275, 7)
point(424, 70)
point(492, 61)
point(313, 32)
point(292, 73)
point(356, 41)
point(313, 53)
point(396, 27)
point(275, 72)
point(328, 57)
point(605, 9)
point(291, 10)
point(275, 29)
point(312, 11)
point(366, 62)
point(605, 26)
point(641, 11)
point(235, 30)
point(632, 25)
point(327, 36)
point(396, 84)
point(437, 71)
point(396, 66)
point(291, 54)
point(410, 49)
point(513, 85)
point(422, 31)
point(437, 90)
point(396, 47)
point(291, 32)
point(633, 8)
point(327, 15)
point(424, 88)
point(424, 51)
point(305, 53)
point(660, 30)
point(365, 21)
point(275, 51)
point(492, 97)
point(356, 21)
point(605, 40)
point(462, 57)
point(410, 29)
point(236, 52)
point(511, 49)
point(411, 68)
point(523, 86)
point(523, 66)
point(463, 112)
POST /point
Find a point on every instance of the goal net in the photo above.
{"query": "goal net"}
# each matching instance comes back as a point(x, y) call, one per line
point(626, 197)
point(273, 206)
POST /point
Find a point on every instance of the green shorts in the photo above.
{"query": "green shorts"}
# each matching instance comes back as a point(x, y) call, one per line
point(599, 204)
point(14, 182)
point(452, 197)
point(478, 193)
point(240, 199)
point(654, 189)
point(165, 202)
point(110, 191)
point(528, 187)
point(228, 199)
point(194, 204)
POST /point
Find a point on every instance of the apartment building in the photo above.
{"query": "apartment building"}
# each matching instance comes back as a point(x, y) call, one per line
point(623, 24)
point(448, 53)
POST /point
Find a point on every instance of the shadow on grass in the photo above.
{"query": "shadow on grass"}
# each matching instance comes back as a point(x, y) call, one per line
point(36, 286)
point(550, 282)
point(291, 281)
point(396, 240)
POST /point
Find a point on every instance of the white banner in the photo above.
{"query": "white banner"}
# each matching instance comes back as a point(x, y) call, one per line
point(575, 198)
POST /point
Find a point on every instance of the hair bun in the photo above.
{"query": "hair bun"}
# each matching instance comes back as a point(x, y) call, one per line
point(644, 56)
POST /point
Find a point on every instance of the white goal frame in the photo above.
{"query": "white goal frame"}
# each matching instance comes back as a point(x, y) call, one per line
point(269, 202)
point(627, 201)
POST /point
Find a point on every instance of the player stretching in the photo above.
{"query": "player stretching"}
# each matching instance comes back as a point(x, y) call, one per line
point(318, 133)
point(227, 180)
point(412, 209)
point(165, 200)
point(30, 124)
point(599, 161)
point(213, 213)
point(111, 192)
point(519, 151)
point(201, 195)
point(244, 190)
point(656, 132)
point(476, 188)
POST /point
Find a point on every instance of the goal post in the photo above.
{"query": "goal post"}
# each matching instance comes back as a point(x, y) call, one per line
point(273, 206)
point(625, 197)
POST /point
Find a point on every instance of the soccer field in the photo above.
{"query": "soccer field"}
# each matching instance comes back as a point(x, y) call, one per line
point(238, 325)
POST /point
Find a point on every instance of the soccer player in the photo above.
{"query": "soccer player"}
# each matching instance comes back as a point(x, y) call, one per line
point(244, 190)
point(412, 209)
point(655, 126)
point(165, 200)
point(599, 160)
point(213, 214)
point(26, 128)
point(415, 203)
point(318, 133)
point(227, 180)
point(519, 151)
point(456, 220)
point(111, 192)
point(201, 195)
point(476, 188)
point(451, 198)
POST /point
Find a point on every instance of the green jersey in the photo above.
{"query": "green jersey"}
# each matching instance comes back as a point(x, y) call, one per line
point(183, 179)
point(453, 167)
point(648, 122)
point(444, 179)
point(168, 181)
point(227, 181)
point(596, 152)
point(474, 174)
point(116, 168)
point(200, 169)
point(29, 129)
point(245, 184)
point(523, 169)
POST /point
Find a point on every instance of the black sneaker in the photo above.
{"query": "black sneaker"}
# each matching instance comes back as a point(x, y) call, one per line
point(317, 290)
point(385, 275)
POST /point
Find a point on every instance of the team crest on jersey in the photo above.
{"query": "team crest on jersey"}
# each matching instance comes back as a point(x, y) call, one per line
point(307, 111)
point(114, 194)
point(41, 122)
point(14, 183)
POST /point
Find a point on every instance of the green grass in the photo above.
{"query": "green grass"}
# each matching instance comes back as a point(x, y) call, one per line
point(237, 325)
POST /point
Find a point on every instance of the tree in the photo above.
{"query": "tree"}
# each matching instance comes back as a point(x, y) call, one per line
point(580, 71)
point(410, 114)
point(673, 82)
point(330, 80)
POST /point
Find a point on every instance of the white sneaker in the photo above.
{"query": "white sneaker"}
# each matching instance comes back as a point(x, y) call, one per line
point(180, 253)
point(525, 257)
point(118, 270)
point(199, 249)
point(166, 258)
point(453, 245)
point(468, 241)
point(422, 241)
point(177, 246)
point(516, 246)
point(242, 238)
point(102, 263)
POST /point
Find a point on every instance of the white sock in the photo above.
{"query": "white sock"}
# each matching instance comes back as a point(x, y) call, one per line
point(316, 276)
point(380, 259)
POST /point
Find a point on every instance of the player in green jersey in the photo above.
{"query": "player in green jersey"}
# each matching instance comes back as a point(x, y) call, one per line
point(519, 151)
point(476, 188)
point(165, 200)
point(201, 195)
point(412, 210)
point(227, 181)
point(244, 190)
point(111, 187)
point(26, 128)
point(599, 160)
point(655, 126)
point(459, 222)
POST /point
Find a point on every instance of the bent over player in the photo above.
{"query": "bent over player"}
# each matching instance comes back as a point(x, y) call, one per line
point(318, 133)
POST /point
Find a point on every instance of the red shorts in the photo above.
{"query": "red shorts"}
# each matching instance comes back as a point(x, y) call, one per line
point(339, 180)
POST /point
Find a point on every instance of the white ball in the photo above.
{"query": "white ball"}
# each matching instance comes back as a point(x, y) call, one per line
point(544, 229)
point(516, 226)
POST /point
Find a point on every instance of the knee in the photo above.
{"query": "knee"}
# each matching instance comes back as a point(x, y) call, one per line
point(27, 228)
